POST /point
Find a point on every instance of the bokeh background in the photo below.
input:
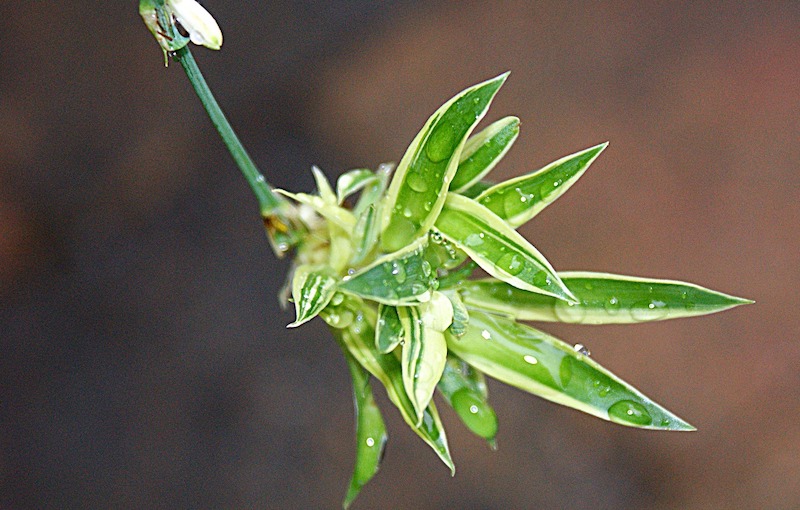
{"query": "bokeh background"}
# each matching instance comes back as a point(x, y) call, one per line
point(145, 361)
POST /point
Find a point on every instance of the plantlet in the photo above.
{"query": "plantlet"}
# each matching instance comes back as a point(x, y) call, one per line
point(386, 258)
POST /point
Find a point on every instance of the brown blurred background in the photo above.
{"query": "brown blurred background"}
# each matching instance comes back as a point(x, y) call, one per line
point(144, 360)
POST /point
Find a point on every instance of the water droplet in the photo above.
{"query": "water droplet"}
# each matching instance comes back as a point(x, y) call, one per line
point(473, 409)
point(407, 212)
point(568, 312)
point(473, 240)
point(441, 143)
point(436, 238)
point(541, 280)
point(629, 412)
point(612, 306)
point(582, 349)
point(426, 268)
point(511, 263)
point(417, 182)
point(515, 201)
point(398, 271)
point(337, 299)
point(370, 442)
point(486, 334)
point(649, 310)
point(530, 359)
point(475, 413)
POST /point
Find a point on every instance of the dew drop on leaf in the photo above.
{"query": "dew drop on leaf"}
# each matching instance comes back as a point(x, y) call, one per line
point(417, 182)
point(630, 412)
point(511, 263)
point(441, 143)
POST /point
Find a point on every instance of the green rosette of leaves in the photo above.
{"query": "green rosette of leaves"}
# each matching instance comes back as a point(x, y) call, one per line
point(386, 261)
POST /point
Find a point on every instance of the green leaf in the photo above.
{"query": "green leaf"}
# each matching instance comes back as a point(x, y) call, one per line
point(419, 185)
point(371, 433)
point(497, 248)
point(545, 366)
point(424, 349)
point(400, 278)
point(358, 338)
point(603, 299)
point(460, 313)
point(329, 211)
point(353, 181)
point(324, 189)
point(464, 388)
point(365, 235)
point(312, 290)
point(520, 199)
point(373, 192)
point(388, 330)
point(483, 151)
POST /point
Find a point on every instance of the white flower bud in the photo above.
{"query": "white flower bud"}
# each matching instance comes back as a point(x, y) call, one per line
point(202, 27)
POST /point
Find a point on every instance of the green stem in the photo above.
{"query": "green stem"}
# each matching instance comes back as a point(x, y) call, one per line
point(268, 201)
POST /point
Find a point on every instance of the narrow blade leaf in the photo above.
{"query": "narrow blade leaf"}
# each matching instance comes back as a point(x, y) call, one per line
point(483, 151)
point(603, 299)
point(312, 290)
point(403, 277)
point(419, 185)
point(388, 331)
point(365, 236)
point(520, 199)
point(371, 433)
point(497, 248)
point(545, 366)
point(358, 339)
point(424, 349)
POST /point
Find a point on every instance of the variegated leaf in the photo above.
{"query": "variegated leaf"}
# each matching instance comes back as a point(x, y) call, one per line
point(371, 433)
point(388, 330)
point(420, 184)
point(602, 299)
point(352, 182)
point(358, 338)
point(464, 388)
point(312, 289)
point(545, 366)
point(403, 277)
point(497, 248)
point(329, 211)
point(483, 151)
point(520, 199)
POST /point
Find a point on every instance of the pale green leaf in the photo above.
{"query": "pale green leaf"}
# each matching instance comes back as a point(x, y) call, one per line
point(483, 151)
point(545, 366)
point(329, 211)
point(460, 312)
point(371, 433)
point(602, 299)
point(353, 181)
point(323, 186)
point(365, 236)
point(424, 351)
point(420, 184)
point(520, 199)
point(497, 248)
point(403, 277)
point(312, 289)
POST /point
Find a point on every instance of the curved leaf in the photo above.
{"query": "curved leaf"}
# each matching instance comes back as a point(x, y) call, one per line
point(603, 299)
point(403, 277)
point(371, 433)
point(388, 330)
point(497, 248)
point(419, 185)
point(312, 290)
point(358, 338)
point(331, 212)
point(520, 199)
point(423, 356)
point(483, 151)
point(545, 366)
point(352, 182)
point(464, 388)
